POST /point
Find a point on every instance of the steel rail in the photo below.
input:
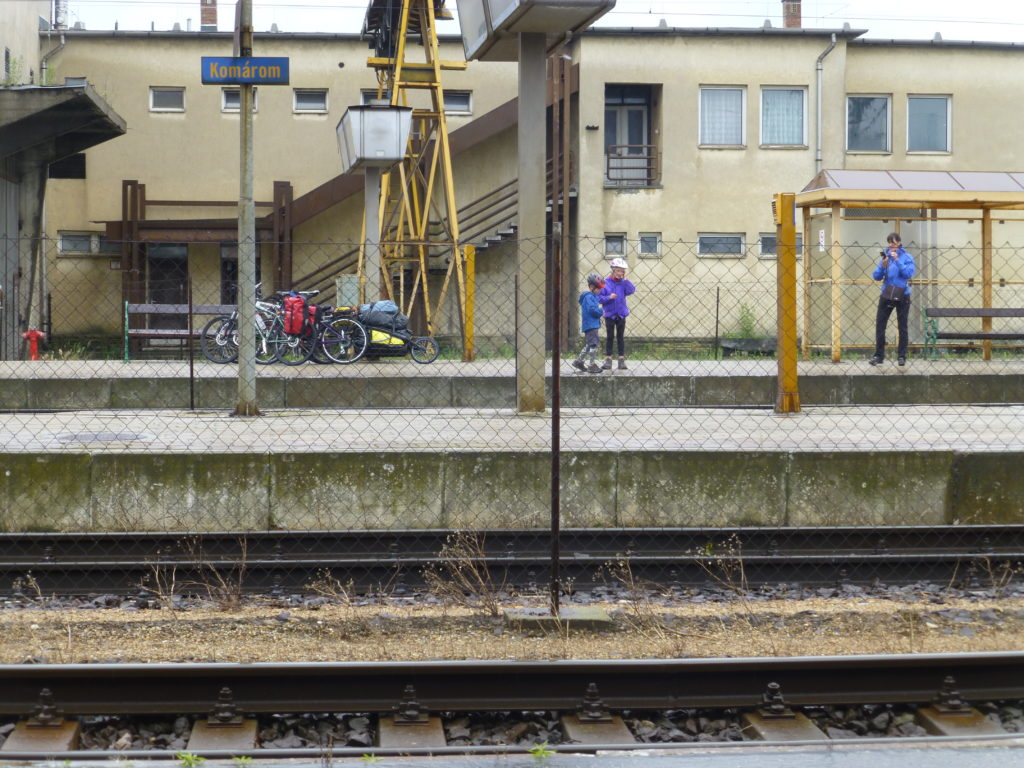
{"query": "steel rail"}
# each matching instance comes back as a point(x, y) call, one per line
point(87, 689)
point(120, 563)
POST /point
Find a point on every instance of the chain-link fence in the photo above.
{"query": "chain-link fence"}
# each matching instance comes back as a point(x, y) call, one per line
point(381, 420)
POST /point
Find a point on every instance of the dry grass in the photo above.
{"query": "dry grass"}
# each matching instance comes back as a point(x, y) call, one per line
point(411, 632)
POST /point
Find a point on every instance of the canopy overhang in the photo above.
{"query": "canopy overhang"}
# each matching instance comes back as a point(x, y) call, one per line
point(964, 190)
point(58, 121)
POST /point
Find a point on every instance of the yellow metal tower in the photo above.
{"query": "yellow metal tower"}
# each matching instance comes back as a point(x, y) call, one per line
point(419, 219)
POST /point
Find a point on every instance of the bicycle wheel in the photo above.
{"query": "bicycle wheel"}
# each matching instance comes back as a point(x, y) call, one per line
point(295, 349)
point(319, 356)
point(424, 349)
point(344, 340)
point(266, 344)
point(219, 340)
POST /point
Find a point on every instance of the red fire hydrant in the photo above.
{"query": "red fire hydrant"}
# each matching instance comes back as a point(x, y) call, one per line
point(33, 337)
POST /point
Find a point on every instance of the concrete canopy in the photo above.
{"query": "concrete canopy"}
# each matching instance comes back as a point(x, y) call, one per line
point(56, 121)
point(977, 190)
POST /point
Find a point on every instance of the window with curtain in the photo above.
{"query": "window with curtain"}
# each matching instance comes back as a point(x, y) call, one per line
point(782, 116)
point(867, 123)
point(721, 116)
point(928, 124)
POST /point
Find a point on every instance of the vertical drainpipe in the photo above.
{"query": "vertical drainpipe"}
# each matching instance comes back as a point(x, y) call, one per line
point(817, 76)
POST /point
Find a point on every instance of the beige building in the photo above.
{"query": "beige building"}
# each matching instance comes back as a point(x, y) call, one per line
point(679, 138)
point(42, 127)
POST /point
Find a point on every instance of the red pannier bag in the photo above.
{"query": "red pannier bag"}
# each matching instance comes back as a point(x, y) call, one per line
point(294, 314)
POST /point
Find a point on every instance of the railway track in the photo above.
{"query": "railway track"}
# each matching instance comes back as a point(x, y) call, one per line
point(426, 689)
point(269, 561)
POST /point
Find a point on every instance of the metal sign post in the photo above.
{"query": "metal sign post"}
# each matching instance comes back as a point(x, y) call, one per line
point(246, 71)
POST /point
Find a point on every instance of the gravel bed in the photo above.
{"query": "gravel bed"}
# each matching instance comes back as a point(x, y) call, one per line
point(837, 722)
point(519, 729)
point(665, 623)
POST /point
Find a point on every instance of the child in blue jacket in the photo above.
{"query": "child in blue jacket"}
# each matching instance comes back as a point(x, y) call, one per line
point(590, 323)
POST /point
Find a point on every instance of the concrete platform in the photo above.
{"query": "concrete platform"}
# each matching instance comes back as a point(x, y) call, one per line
point(491, 383)
point(487, 467)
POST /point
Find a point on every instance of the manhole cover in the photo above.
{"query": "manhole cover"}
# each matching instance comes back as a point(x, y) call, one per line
point(103, 437)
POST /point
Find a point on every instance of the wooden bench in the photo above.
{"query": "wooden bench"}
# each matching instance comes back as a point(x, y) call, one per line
point(171, 310)
point(932, 333)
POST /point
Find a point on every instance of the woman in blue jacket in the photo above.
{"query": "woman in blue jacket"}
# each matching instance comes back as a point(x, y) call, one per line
point(894, 270)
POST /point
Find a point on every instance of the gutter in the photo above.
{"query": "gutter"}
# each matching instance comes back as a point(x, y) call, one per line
point(818, 69)
point(43, 69)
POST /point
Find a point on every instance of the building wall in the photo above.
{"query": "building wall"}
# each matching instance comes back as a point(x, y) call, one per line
point(706, 189)
point(301, 148)
point(19, 40)
point(194, 154)
point(701, 189)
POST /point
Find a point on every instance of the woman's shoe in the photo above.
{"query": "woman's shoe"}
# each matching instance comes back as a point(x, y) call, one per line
point(901, 362)
point(876, 360)
point(607, 365)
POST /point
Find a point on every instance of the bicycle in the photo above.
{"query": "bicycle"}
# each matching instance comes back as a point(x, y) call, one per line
point(296, 348)
point(342, 339)
point(219, 338)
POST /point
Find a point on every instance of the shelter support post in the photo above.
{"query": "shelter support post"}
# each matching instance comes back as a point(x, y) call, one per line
point(530, 309)
point(986, 277)
point(837, 284)
point(788, 400)
point(371, 227)
point(805, 345)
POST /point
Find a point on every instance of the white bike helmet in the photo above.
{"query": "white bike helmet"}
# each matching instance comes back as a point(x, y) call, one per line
point(621, 263)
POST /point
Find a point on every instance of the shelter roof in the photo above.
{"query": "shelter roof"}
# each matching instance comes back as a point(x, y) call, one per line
point(910, 189)
point(62, 119)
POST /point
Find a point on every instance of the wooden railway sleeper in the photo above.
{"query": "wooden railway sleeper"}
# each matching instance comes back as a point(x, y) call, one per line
point(593, 723)
point(224, 727)
point(950, 715)
point(411, 725)
point(775, 720)
point(44, 730)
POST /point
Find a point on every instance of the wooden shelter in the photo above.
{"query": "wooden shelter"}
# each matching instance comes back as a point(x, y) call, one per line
point(904, 197)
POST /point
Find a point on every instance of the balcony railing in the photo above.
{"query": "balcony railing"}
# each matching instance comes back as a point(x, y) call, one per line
point(632, 165)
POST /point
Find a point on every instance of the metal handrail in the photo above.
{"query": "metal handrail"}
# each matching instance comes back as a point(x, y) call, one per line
point(647, 161)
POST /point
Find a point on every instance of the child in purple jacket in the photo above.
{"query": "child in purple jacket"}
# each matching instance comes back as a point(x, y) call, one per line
point(613, 300)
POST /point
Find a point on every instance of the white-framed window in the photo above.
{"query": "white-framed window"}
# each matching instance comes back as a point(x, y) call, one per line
point(369, 94)
point(458, 102)
point(630, 140)
point(723, 245)
point(87, 244)
point(722, 116)
point(783, 116)
point(649, 245)
point(868, 124)
point(928, 123)
point(770, 247)
point(614, 244)
point(310, 100)
point(166, 98)
point(231, 99)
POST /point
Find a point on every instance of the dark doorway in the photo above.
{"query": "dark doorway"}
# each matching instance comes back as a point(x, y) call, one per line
point(229, 273)
point(167, 281)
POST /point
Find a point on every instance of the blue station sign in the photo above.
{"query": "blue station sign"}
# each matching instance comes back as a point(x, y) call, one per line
point(245, 70)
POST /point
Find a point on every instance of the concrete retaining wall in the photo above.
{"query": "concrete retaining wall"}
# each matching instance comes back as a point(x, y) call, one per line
point(123, 492)
point(499, 391)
